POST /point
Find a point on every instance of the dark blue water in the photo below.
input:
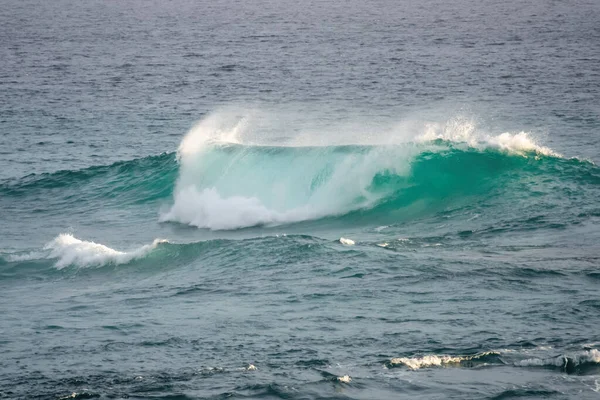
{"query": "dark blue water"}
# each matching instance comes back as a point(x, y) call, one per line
point(276, 199)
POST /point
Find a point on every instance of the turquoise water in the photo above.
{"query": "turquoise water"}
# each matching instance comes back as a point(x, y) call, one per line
point(307, 201)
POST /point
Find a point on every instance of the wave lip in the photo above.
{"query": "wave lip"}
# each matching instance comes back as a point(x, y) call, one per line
point(68, 250)
point(461, 130)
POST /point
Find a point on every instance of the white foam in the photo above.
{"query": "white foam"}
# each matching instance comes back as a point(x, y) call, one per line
point(251, 367)
point(344, 379)
point(207, 209)
point(459, 130)
point(426, 361)
point(520, 143)
point(68, 250)
point(435, 360)
point(347, 242)
point(538, 362)
point(70, 396)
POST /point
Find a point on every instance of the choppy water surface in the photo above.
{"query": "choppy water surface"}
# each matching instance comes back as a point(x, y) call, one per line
point(299, 200)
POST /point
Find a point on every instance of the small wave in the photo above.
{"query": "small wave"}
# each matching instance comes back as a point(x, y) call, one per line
point(434, 360)
point(569, 363)
point(68, 250)
point(133, 181)
point(347, 242)
point(24, 256)
point(82, 395)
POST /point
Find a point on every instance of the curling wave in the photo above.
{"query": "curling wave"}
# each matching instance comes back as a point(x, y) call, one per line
point(229, 179)
point(230, 186)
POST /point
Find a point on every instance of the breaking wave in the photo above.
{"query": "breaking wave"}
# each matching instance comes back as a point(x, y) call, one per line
point(229, 179)
point(226, 175)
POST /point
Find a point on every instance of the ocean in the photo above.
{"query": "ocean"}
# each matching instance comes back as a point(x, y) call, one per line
point(299, 200)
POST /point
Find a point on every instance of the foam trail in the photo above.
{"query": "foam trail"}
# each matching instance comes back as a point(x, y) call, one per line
point(68, 250)
point(27, 256)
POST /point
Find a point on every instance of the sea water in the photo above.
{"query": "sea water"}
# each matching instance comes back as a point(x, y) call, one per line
point(299, 200)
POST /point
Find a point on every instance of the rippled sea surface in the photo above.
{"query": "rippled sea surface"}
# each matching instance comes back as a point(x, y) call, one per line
point(299, 200)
